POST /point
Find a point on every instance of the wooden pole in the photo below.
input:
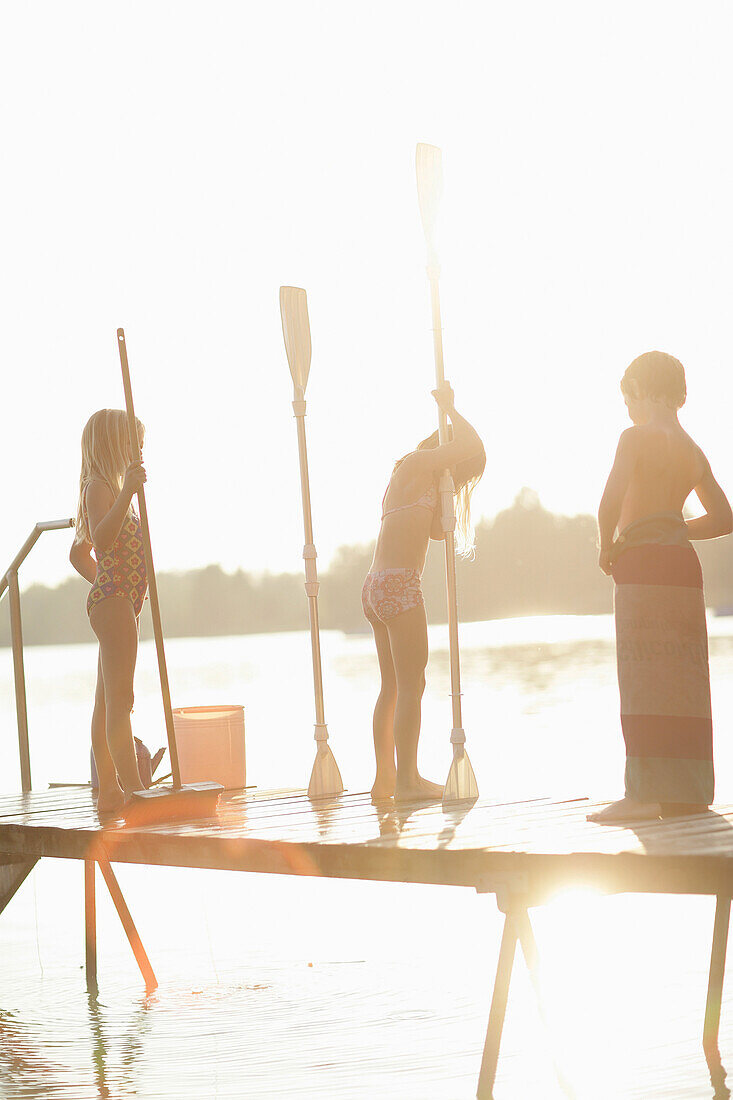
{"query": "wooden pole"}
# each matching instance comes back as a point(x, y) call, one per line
point(14, 870)
point(711, 1027)
point(142, 960)
point(90, 925)
point(504, 967)
point(152, 584)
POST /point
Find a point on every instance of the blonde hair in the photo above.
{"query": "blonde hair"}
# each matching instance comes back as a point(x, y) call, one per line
point(105, 455)
point(466, 476)
point(465, 536)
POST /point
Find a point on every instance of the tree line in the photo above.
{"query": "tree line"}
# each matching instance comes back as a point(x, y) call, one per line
point(528, 561)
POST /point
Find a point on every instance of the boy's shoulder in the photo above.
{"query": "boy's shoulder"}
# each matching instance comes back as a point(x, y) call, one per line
point(632, 438)
point(644, 441)
point(638, 435)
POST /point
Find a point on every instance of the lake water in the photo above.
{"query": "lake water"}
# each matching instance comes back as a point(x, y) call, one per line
point(280, 987)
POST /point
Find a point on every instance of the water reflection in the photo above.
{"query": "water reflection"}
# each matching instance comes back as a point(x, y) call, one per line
point(533, 668)
point(120, 1080)
point(23, 1063)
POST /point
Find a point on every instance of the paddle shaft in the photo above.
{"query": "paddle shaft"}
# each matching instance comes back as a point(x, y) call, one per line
point(152, 585)
point(309, 556)
point(450, 546)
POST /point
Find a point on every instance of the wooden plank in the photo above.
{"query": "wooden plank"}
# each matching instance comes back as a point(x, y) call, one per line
point(546, 845)
point(540, 875)
point(540, 829)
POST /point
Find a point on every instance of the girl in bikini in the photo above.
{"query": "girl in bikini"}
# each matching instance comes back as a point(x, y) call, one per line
point(392, 598)
point(108, 552)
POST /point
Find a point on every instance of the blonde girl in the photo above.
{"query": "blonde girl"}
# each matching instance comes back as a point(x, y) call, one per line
point(392, 597)
point(108, 552)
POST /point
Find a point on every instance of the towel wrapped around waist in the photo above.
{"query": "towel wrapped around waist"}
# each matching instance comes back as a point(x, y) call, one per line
point(662, 658)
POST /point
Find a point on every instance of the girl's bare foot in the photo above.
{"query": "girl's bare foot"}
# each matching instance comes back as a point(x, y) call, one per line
point(625, 811)
point(417, 789)
point(110, 802)
point(384, 785)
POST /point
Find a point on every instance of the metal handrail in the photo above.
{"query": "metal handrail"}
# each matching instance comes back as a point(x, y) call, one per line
point(9, 582)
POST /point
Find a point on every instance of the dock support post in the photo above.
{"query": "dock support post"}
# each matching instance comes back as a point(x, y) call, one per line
point(711, 1026)
point(90, 924)
point(525, 935)
point(14, 870)
point(504, 967)
point(128, 924)
point(512, 901)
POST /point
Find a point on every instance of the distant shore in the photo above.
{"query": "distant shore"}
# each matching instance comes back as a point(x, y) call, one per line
point(528, 562)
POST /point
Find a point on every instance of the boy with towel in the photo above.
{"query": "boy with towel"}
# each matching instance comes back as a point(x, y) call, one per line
point(661, 636)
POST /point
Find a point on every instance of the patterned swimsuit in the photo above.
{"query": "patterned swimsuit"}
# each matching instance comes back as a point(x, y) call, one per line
point(390, 592)
point(121, 569)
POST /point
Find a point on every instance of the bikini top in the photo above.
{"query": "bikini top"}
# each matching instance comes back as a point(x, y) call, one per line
point(428, 500)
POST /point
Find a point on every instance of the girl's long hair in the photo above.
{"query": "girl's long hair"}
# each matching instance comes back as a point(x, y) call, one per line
point(105, 455)
point(466, 476)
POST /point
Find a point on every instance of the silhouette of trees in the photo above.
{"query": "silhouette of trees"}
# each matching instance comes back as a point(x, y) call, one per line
point(528, 562)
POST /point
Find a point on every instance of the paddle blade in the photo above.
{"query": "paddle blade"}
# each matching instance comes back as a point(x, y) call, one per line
point(296, 333)
point(325, 778)
point(461, 785)
point(159, 805)
point(429, 167)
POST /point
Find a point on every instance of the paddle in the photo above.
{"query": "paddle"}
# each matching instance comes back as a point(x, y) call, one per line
point(325, 777)
point(193, 799)
point(461, 783)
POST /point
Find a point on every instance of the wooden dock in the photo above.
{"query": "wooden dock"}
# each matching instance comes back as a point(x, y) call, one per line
point(523, 852)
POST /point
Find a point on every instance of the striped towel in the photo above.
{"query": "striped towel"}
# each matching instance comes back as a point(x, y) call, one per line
point(662, 657)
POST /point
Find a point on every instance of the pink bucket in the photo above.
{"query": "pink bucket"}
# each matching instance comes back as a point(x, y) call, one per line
point(210, 744)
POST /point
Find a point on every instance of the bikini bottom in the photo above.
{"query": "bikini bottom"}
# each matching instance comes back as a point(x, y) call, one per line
point(390, 592)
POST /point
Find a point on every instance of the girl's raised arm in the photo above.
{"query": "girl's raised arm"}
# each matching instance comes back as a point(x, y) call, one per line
point(105, 513)
point(466, 442)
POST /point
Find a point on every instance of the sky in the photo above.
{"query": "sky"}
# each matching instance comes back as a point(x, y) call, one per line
point(167, 166)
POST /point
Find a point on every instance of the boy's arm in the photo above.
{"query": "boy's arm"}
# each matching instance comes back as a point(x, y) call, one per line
point(618, 482)
point(718, 518)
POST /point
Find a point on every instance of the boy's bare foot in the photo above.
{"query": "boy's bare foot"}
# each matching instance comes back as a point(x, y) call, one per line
point(418, 789)
point(626, 810)
point(683, 809)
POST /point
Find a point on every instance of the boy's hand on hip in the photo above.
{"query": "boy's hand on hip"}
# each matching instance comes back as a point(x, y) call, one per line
point(605, 562)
